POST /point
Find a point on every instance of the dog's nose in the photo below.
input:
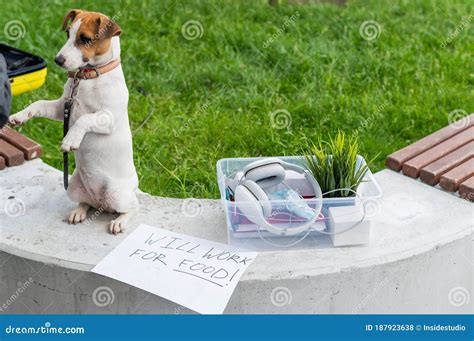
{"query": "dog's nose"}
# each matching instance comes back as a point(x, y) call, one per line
point(59, 60)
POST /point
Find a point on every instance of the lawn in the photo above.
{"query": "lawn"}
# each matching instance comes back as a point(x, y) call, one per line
point(264, 80)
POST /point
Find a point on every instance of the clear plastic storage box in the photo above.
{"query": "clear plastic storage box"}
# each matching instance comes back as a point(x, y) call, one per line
point(242, 232)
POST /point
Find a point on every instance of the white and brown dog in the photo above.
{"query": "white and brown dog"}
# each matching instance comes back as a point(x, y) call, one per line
point(99, 133)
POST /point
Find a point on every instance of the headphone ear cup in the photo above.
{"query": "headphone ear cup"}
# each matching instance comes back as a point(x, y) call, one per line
point(259, 195)
point(253, 202)
point(266, 175)
point(248, 204)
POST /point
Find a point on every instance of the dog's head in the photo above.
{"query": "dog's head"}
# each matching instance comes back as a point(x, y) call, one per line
point(89, 36)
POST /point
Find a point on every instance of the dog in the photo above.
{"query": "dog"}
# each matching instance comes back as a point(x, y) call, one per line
point(99, 132)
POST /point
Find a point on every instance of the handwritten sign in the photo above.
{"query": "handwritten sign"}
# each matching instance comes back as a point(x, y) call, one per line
point(193, 272)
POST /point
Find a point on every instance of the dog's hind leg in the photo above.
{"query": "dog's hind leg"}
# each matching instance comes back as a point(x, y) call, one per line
point(124, 202)
point(120, 223)
point(78, 214)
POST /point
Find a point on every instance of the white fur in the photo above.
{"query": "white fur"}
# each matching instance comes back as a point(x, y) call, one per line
point(105, 176)
point(71, 53)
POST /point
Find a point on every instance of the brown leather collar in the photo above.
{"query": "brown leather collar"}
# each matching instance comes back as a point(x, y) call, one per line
point(94, 72)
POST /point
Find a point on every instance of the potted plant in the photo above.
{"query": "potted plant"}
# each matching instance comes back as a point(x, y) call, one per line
point(337, 166)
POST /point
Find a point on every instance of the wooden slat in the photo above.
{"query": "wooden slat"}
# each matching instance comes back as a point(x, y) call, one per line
point(2, 163)
point(30, 149)
point(396, 160)
point(466, 189)
point(432, 173)
point(451, 180)
point(12, 155)
point(413, 166)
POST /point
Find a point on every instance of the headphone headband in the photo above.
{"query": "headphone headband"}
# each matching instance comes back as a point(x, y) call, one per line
point(293, 167)
point(260, 166)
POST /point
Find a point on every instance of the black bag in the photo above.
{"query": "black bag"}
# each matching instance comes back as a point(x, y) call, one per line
point(5, 94)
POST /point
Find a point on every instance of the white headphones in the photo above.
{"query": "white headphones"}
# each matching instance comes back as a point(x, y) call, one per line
point(253, 202)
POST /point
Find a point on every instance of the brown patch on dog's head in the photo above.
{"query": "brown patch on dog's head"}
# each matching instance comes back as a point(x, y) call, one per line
point(94, 33)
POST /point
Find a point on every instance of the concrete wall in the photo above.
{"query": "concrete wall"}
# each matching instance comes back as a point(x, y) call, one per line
point(422, 284)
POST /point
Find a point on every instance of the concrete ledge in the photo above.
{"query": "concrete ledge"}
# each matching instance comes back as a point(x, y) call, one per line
point(421, 249)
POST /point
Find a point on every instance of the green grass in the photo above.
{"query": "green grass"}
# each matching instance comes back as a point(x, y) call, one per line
point(210, 98)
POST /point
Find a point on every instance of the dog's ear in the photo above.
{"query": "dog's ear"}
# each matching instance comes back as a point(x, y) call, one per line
point(114, 28)
point(70, 15)
point(108, 27)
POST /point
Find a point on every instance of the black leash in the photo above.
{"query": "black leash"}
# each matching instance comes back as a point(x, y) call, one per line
point(83, 73)
point(67, 114)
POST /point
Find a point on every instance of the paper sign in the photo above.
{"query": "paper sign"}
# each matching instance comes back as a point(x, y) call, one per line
point(193, 272)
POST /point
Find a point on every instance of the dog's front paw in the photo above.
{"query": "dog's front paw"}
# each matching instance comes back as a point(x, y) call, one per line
point(71, 141)
point(20, 117)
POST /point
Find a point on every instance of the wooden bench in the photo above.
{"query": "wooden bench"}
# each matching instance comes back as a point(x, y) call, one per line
point(444, 158)
point(16, 148)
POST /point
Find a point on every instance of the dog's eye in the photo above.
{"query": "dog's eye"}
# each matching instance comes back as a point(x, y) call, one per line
point(85, 40)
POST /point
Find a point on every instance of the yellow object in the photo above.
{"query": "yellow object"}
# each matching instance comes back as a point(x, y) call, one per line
point(28, 82)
